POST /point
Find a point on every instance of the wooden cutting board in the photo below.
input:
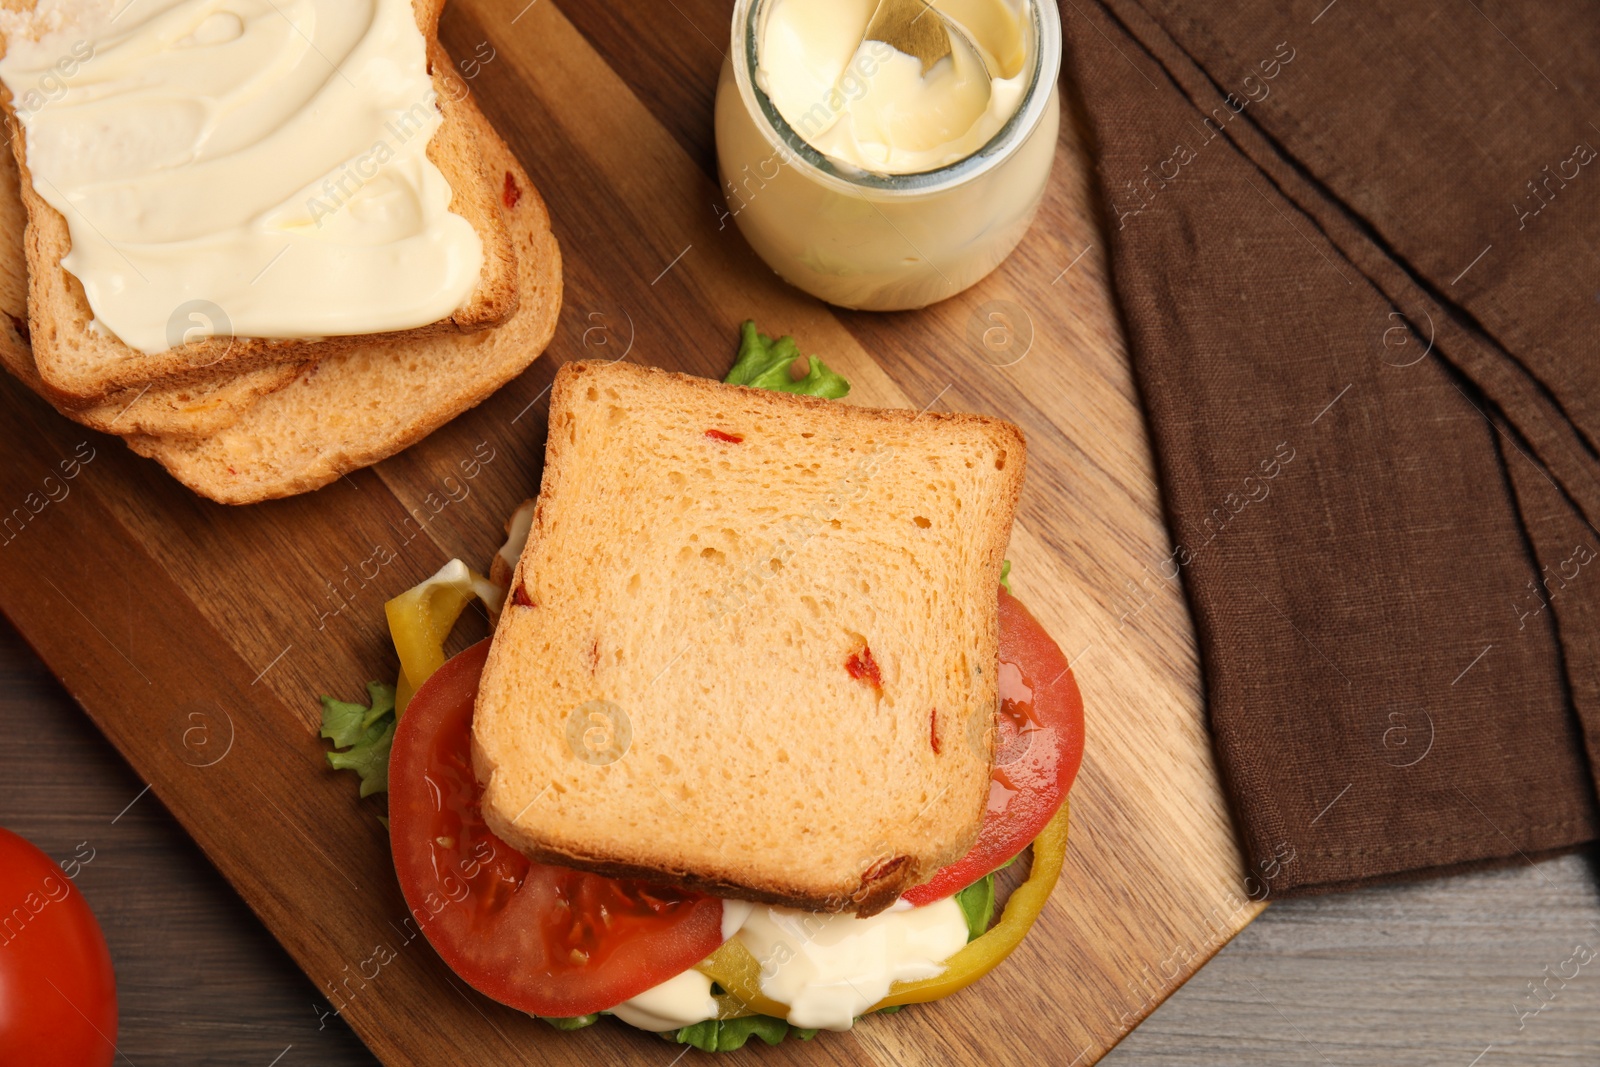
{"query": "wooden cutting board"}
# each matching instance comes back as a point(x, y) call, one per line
point(198, 636)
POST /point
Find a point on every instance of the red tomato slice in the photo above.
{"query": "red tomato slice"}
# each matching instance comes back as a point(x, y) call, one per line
point(1038, 747)
point(58, 996)
point(545, 940)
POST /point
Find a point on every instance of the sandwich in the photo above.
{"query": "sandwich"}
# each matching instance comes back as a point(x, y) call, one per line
point(758, 723)
point(262, 276)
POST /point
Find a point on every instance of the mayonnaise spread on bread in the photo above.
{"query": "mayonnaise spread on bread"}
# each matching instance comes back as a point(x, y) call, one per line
point(253, 168)
point(827, 968)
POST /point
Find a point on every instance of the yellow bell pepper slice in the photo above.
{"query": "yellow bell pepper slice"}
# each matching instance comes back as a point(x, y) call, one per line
point(420, 620)
point(738, 971)
point(980, 957)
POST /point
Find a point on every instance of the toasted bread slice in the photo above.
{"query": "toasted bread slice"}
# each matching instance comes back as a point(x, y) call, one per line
point(363, 404)
point(191, 410)
point(80, 366)
point(751, 645)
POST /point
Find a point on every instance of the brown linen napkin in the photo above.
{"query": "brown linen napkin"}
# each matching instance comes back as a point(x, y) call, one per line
point(1367, 350)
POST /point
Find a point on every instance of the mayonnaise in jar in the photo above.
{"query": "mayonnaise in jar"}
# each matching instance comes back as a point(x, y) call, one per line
point(869, 181)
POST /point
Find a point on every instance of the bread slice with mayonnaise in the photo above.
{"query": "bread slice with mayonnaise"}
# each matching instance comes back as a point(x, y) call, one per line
point(369, 401)
point(751, 644)
point(80, 366)
point(193, 409)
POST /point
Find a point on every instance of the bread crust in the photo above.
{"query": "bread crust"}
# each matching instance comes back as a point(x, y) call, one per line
point(195, 410)
point(867, 899)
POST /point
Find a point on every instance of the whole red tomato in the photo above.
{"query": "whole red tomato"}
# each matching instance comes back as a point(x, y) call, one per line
point(58, 997)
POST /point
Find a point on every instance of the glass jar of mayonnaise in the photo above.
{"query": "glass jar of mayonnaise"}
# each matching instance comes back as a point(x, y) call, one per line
point(870, 179)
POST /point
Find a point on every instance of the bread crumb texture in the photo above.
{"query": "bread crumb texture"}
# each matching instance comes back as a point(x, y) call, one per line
point(734, 621)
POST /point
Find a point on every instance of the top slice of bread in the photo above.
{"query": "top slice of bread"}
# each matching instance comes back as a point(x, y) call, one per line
point(79, 365)
point(751, 645)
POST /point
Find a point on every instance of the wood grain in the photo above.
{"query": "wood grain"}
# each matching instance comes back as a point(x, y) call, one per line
point(162, 612)
point(199, 981)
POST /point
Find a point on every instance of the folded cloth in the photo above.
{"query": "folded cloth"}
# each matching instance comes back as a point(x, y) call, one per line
point(1355, 253)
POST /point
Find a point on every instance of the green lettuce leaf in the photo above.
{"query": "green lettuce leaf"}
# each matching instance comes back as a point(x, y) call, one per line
point(764, 363)
point(344, 722)
point(1005, 574)
point(575, 1022)
point(726, 1035)
point(369, 758)
point(361, 736)
point(977, 902)
point(977, 905)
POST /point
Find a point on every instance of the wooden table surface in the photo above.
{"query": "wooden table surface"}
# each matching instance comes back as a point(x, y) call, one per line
point(1427, 975)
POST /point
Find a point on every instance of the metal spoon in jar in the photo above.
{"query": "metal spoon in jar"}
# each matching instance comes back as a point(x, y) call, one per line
point(917, 28)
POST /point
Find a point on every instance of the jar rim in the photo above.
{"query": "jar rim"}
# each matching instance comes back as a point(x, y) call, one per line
point(785, 140)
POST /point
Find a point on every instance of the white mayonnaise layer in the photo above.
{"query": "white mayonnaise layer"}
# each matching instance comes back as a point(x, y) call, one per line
point(517, 539)
point(247, 167)
point(827, 968)
point(869, 106)
point(680, 1001)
